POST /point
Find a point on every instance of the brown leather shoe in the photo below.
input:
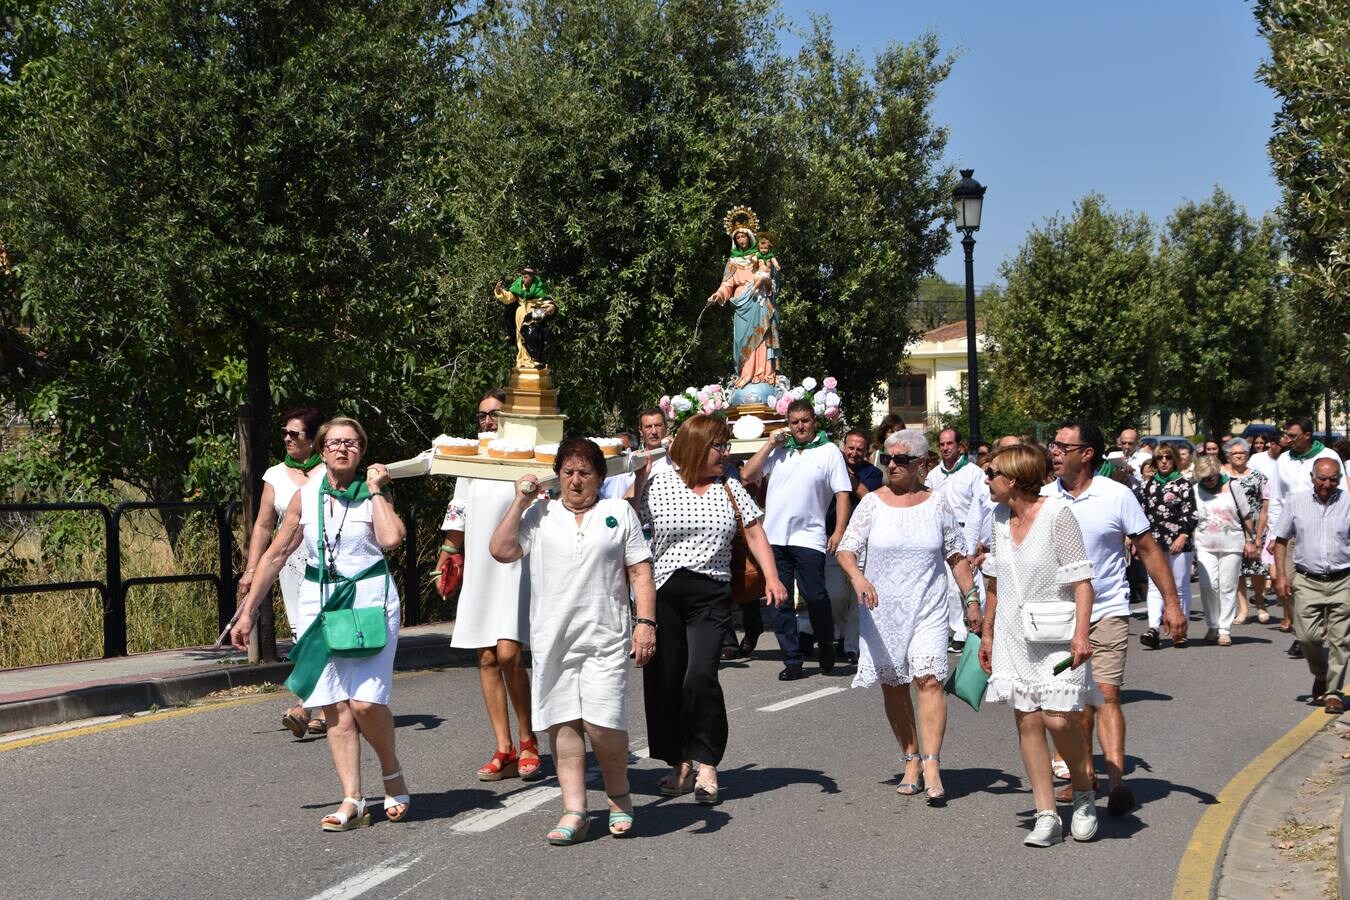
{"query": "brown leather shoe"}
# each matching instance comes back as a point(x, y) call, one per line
point(1334, 704)
point(1065, 794)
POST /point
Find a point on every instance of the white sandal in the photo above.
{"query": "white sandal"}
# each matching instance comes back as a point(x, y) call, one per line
point(391, 801)
point(345, 822)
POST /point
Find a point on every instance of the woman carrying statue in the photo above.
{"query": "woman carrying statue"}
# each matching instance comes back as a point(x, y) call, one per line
point(750, 282)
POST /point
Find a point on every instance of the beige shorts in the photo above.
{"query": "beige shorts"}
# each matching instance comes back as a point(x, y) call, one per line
point(1109, 637)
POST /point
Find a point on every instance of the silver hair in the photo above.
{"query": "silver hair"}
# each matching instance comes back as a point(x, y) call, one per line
point(911, 439)
point(1237, 444)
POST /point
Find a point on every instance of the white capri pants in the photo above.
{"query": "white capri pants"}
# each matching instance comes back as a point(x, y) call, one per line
point(1219, 573)
point(1181, 574)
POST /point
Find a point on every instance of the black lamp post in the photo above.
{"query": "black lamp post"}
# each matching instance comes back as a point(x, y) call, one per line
point(969, 196)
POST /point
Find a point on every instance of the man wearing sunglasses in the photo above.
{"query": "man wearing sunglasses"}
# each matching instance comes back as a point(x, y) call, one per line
point(1111, 519)
point(805, 471)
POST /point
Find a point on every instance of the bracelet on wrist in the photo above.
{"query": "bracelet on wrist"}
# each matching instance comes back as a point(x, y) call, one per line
point(639, 620)
point(451, 549)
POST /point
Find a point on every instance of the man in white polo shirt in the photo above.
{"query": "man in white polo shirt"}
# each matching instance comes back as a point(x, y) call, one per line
point(960, 480)
point(1109, 515)
point(805, 471)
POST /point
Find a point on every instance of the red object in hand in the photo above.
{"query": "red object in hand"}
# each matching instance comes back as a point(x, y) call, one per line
point(452, 574)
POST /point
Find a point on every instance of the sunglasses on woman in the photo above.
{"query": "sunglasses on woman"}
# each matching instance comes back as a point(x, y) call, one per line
point(991, 473)
point(293, 435)
point(900, 459)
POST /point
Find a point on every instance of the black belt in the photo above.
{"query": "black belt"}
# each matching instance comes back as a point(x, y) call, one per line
point(1329, 576)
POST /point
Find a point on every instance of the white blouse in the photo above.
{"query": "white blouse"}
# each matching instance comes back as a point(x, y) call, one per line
point(692, 531)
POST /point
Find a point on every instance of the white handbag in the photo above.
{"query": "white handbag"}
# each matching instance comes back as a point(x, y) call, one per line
point(1044, 621)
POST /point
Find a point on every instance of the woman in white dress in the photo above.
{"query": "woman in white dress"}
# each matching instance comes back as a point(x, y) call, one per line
point(1037, 554)
point(493, 614)
point(586, 553)
point(906, 536)
point(345, 522)
point(280, 484)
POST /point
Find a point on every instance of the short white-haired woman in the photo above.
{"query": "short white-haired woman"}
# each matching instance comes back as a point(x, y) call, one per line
point(1222, 540)
point(586, 553)
point(345, 522)
point(907, 536)
point(1037, 554)
point(1256, 487)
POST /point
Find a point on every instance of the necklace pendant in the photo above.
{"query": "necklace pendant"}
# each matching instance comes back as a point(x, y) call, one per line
point(332, 568)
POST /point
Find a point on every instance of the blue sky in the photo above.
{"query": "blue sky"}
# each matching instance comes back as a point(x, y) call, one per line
point(1148, 103)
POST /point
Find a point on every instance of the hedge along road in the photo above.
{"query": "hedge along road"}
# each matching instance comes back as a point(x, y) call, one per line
point(218, 801)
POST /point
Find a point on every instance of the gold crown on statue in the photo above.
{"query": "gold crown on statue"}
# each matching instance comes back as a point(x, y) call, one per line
point(740, 217)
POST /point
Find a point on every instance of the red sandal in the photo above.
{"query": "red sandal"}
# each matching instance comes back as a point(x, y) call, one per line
point(529, 769)
point(502, 765)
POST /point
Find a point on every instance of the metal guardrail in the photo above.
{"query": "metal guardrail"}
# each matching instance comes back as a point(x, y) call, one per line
point(113, 588)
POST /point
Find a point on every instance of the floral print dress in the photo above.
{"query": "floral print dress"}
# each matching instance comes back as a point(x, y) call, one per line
point(1170, 507)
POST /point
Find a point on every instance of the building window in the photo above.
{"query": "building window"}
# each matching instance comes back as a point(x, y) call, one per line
point(909, 393)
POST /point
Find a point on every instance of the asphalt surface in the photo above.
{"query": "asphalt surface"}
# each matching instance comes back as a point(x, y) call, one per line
point(222, 803)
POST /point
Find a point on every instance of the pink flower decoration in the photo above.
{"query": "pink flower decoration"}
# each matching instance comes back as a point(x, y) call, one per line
point(831, 412)
point(783, 403)
point(830, 383)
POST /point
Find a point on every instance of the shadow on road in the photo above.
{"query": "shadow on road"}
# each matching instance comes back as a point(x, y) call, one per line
point(424, 722)
point(1132, 695)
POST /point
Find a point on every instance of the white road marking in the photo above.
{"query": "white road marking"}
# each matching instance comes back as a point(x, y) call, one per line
point(804, 698)
point(373, 877)
point(521, 803)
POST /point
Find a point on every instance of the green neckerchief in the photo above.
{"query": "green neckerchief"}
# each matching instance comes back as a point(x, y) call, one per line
point(1107, 469)
point(794, 447)
point(303, 465)
point(536, 289)
point(954, 469)
point(1168, 478)
point(763, 255)
point(738, 253)
point(1223, 479)
point(355, 492)
point(1316, 448)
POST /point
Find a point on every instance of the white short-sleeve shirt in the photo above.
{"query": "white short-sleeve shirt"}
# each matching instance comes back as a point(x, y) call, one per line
point(1294, 476)
point(1107, 512)
point(801, 485)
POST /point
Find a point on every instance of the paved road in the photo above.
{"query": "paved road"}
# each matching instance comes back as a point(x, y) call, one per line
point(222, 803)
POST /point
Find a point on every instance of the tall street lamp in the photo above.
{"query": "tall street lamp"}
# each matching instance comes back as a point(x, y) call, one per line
point(969, 196)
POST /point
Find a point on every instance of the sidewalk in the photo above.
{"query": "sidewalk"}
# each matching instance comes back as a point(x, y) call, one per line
point(63, 692)
point(1291, 837)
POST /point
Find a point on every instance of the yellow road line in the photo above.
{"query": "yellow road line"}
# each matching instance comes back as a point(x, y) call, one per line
point(160, 716)
point(1200, 862)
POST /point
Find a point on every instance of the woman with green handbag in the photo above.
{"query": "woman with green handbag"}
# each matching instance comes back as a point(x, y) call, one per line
point(348, 616)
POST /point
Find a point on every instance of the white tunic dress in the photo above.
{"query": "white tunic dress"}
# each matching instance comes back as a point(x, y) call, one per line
point(904, 552)
point(347, 678)
point(580, 635)
point(293, 572)
point(494, 599)
point(1049, 560)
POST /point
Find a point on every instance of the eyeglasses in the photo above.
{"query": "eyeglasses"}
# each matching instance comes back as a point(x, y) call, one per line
point(900, 459)
point(340, 443)
point(724, 447)
point(991, 473)
point(490, 414)
point(1061, 447)
point(292, 435)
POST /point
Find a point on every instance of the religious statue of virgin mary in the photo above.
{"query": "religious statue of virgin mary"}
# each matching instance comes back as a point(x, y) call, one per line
point(750, 282)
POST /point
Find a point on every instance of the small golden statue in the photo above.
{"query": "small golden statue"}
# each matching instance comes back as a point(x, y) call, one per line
point(531, 304)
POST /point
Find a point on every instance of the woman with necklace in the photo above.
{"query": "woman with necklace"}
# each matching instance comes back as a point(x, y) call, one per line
point(585, 554)
point(1169, 503)
point(908, 535)
point(280, 484)
point(345, 521)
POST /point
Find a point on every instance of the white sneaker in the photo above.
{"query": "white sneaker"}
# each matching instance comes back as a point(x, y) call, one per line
point(1083, 825)
point(1047, 831)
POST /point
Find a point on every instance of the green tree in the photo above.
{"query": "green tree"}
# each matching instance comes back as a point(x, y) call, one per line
point(220, 204)
point(1076, 331)
point(1219, 271)
point(1309, 69)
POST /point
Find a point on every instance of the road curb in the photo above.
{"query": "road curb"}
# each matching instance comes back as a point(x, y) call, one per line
point(139, 694)
point(1343, 845)
point(1202, 860)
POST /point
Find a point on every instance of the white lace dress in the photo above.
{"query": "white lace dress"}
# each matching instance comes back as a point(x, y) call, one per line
point(903, 553)
point(1049, 561)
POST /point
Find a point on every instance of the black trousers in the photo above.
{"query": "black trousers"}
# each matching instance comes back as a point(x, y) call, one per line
point(686, 713)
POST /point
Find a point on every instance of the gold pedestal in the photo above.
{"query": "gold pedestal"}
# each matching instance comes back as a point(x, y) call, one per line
point(531, 414)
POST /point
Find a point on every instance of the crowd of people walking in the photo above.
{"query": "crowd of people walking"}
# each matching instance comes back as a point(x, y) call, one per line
point(1026, 557)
